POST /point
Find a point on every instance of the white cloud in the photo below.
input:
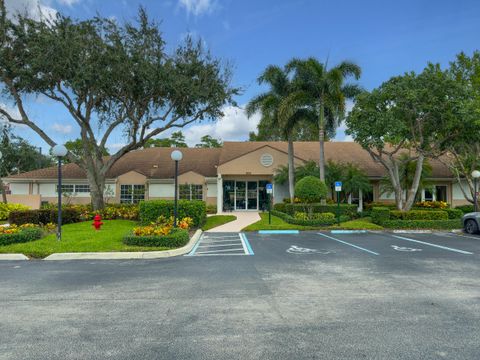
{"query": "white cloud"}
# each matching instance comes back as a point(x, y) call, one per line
point(35, 9)
point(197, 7)
point(63, 129)
point(68, 2)
point(234, 125)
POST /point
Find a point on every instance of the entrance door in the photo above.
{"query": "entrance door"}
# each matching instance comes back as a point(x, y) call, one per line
point(240, 195)
point(252, 195)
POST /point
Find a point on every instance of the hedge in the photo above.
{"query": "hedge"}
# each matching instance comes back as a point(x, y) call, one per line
point(25, 235)
point(423, 224)
point(43, 216)
point(323, 221)
point(418, 215)
point(176, 238)
point(6, 209)
point(465, 208)
point(345, 209)
point(282, 207)
point(149, 211)
point(454, 213)
point(380, 215)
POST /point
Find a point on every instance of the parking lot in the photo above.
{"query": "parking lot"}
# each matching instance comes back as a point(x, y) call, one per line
point(305, 296)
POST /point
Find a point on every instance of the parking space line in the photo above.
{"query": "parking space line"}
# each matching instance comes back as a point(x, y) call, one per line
point(217, 245)
point(218, 251)
point(349, 244)
point(246, 244)
point(433, 245)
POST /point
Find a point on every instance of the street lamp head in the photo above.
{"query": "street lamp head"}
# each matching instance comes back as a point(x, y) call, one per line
point(59, 150)
point(176, 155)
point(476, 174)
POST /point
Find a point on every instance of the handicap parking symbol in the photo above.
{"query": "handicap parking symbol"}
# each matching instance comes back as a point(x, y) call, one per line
point(406, 249)
point(301, 250)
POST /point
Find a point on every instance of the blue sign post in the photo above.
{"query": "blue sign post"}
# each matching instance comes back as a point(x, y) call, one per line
point(269, 189)
point(338, 188)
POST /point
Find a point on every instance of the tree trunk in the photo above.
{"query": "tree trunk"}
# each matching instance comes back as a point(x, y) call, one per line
point(291, 169)
point(4, 194)
point(360, 200)
point(321, 138)
point(97, 188)
point(350, 199)
point(412, 192)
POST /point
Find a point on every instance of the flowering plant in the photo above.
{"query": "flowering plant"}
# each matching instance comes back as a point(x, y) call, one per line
point(163, 226)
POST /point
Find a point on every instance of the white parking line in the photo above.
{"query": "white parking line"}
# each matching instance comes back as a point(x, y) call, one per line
point(347, 243)
point(433, 245)
point(218, 251)
point(217, 245)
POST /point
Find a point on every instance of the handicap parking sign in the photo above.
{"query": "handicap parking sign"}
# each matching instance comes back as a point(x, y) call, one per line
point(269, 188)
point(338, 186)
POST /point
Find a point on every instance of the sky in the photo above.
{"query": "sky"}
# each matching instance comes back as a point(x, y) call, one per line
point(386, 38)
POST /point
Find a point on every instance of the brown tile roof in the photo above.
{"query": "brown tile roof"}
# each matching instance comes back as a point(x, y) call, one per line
point(201, 161)
point(205, 161)
point(335, 151)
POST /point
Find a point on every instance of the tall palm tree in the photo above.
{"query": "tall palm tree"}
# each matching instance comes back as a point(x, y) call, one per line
point(329, 92)
point(283, 106)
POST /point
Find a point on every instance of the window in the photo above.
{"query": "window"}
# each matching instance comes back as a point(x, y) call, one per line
point(190, 192)
point(67, 188)
point(84, 188)
point(132, 193)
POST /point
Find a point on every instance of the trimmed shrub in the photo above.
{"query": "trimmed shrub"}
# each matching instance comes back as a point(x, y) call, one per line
point(24, 235)
point(310, 190)
point(211, 209)
point(44, 216)
point(149, 211)
point(380, 215)
point(325, 220)
point(5, 209)
point(432, 204)
point(371, 205)
point(454, 213)
point(345, 209)
point(465, 208)
point(176, 238)
point(318, 216)
point(423, 224)
point(282, 207)
point(418, 215)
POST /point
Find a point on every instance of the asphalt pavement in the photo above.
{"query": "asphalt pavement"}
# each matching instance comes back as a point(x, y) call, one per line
point(305, 296)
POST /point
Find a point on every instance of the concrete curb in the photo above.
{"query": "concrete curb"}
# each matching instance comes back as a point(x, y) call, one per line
point(128, 255)
point(13, 257)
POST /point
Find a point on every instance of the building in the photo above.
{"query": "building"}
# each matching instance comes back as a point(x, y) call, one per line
point(233, 177)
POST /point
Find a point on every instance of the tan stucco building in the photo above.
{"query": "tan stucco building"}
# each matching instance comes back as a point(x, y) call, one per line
point(233, 177)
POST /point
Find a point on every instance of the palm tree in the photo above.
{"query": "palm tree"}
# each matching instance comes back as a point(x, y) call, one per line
point(329, 92)
point(355, 180)
point(283, 106)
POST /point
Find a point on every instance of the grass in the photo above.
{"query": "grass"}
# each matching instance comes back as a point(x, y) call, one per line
point(217, 220)
point(279, 224)
point(81, 237)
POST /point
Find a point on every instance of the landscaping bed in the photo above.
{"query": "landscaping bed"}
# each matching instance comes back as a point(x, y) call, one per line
point(446, 219)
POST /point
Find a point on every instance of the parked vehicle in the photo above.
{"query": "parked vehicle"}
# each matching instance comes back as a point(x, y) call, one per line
point(471, 222)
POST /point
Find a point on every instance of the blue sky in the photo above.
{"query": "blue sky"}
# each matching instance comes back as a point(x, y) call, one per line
point(385, 38)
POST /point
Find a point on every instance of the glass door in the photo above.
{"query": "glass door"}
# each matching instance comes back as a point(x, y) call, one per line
point(240, 195)
point(252, 195)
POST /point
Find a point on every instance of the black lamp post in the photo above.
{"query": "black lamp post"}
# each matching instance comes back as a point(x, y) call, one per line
point(176, 156)
point(59, 151)
point(475, 176)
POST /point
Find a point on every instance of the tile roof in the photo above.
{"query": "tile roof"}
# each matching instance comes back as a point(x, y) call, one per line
point(155, 163)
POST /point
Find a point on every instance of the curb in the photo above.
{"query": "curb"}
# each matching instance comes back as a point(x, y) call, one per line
point(128, 255)
point(412, 231)
point(13, 257)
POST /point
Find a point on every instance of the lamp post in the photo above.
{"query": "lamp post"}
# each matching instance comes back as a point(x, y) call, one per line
point(176, 156)
point(59, 151)
point(475, 176)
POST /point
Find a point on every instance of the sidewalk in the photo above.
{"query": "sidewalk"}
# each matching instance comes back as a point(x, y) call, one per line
point(244, 219)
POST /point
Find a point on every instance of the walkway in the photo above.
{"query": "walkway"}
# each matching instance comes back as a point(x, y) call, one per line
point(244, 219)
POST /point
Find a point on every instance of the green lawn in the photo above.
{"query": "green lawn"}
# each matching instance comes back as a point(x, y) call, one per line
point(279, 224)
point(217, 220)
point(81, 237)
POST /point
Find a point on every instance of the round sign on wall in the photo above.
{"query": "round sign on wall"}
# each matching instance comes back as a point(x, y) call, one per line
point(266, 160)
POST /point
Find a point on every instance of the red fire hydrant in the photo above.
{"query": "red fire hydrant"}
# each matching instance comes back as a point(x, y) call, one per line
point(97, 222)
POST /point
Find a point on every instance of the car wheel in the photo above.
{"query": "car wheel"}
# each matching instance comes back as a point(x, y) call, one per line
point(471, 227)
